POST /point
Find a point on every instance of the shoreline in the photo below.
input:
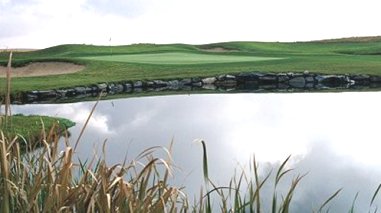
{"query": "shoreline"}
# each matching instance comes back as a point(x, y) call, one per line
point(254, 82)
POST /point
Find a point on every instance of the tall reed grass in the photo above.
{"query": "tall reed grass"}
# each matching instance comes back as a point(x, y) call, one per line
point(45, 181)
point(51, 180)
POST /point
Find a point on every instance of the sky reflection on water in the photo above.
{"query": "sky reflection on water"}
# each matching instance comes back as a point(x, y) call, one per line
point(332, 136)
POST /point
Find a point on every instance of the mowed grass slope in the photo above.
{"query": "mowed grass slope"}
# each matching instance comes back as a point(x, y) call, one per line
point(151, 61)
point(177, 58)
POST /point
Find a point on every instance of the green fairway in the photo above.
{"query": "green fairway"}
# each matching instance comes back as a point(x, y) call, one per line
point(175, 61)
point(177, 58)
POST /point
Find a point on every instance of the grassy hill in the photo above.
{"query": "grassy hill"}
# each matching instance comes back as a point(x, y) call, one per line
point(168, 61)
point(31, 127)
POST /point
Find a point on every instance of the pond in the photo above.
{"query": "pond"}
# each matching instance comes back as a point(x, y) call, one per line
point(334, 137)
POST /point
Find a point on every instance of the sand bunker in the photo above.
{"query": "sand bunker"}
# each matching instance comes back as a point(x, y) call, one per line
point(42, 69)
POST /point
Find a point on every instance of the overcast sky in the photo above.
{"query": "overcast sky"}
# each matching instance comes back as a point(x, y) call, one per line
point(44, 23)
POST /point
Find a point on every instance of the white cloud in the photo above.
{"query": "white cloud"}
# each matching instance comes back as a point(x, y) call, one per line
point(4, 2)
point(126, 8)
point(42, 23)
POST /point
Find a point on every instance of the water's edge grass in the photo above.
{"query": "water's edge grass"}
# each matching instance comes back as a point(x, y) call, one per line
point(52, 180)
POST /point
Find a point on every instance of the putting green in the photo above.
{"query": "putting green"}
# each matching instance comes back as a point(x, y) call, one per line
point(178, 58)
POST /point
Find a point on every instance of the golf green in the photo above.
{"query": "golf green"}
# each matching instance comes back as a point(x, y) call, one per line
point(178, 58)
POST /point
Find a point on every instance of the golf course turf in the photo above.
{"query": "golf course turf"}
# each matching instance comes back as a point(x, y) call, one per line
point(178, 58)
point(173, 61)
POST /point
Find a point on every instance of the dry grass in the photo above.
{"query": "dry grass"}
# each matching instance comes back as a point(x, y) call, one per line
point(44, 181)
point(50, 180)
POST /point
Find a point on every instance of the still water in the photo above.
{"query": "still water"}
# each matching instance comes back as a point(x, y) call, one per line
point(334, 137)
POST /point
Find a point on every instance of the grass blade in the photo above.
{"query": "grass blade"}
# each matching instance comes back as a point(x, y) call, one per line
point(352, 210)
point(375, 194)
point(87, 121)
point(329, 199)
point(206, 175)
point(279, 174)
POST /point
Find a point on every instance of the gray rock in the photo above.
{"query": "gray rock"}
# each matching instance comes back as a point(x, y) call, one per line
point(186, 82)
point(138, 89)
point(230, 77)
point(333, 80)
point(226, 77)
point(196, 80)
point(30, 96)
point(160, 83)
point(138, 84)
point(283, 77)
point(127, 86)
point(102, 87)
point(330, 78)
point(89, 89)
point(110, 86)
point(375, 79)
point(309, 85)
point(297, 82)
point(70, 92)
point(226, 83)
point(35, 92)
point(94, 88)
point(269, 78)
point(174, 84)
point(309, 79)
point(211, 80)
point(290, 74)
point(282, 86)
point(319, 78)
point(80, 90)
point(187, 88)
point(158, 89)
point(80, 96)
point(47, 94)
point(61, 92)
point(149, 84)
point(197, 84)
point(253, 76)
point(268, 86)
point(209, 86)
point(295, 75)
point(118, 88)
point(221, 77)
point(360, 79)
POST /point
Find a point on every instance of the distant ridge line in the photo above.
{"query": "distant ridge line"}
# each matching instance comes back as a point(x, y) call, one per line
point(352, 39)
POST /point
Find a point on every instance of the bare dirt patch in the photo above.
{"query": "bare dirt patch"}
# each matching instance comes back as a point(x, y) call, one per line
point(42, 69)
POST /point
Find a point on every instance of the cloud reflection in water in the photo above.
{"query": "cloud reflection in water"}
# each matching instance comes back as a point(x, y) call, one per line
point(333, 136)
